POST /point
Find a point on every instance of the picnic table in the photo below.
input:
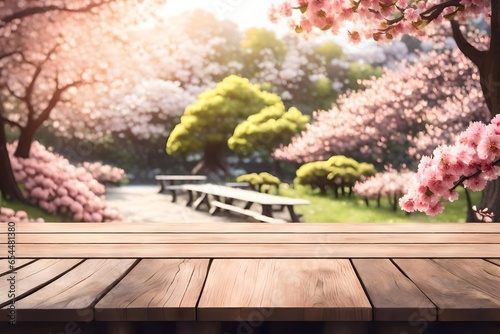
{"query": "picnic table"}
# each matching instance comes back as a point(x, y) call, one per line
point(199, 194)
point(170, 182)
point(245, 278)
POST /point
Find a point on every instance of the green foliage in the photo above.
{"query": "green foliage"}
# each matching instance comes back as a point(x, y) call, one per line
point(323, 209)
point(359, 72)
point(211, 119)
point(257, 181)
point(253, 178)
point(323, 87)
point(336, 173)
point(258, 39)
point(330, 51)
point(268, 129)
point(366, 170)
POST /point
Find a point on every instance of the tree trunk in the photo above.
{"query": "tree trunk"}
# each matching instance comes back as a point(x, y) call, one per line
point(24, 143)
point(471, 217)
point(8, 185)
point(213, 163)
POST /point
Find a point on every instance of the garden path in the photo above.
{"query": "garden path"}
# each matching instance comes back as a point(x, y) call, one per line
point(143, 203)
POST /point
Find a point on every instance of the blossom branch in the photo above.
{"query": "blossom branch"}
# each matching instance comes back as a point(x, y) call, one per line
point(434, 12)
point(478, 172)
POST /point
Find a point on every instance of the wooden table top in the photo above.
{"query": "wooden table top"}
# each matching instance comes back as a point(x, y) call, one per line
point(180, 177)
point(244, 194)
point(221, 272)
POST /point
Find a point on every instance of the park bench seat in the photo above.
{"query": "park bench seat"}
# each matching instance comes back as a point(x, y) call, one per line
point(217, 205)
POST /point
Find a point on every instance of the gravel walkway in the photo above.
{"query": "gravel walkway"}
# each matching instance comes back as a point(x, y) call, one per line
point(143, 203)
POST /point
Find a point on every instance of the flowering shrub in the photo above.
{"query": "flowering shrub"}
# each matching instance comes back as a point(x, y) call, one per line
point(390, 183)
point(9, 215)
point(58, 187)
point(105, 173)
point(336, 173)
point(472, 161)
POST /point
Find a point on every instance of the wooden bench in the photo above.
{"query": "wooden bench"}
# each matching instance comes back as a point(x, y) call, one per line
point(172, 183)
point(200, 194)
point(216, 206)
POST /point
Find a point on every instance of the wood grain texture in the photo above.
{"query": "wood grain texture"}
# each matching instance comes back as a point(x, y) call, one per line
point(156, 290)
point(455, 298)
point(482, 274)
point(249, 238)
point(36, 275)
point(495, 261)
point(310, 251)
point(72, 296)
point(5, 266)
point(283, 290)
point(393, 296)
point(256, 228)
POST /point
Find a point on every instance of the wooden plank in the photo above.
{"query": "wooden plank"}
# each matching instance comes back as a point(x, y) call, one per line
point(186, 178)
point(249, 238)
point(258, 251)
point(18, 263)
point(455, 298)
point(479, 273)
point(262, 228)
point(495, 261)
point(393, 296)
point(283, 290)
point(36, 275)
point(215, 205)
point(243, 195)
point(72, 296)
point(156, 290)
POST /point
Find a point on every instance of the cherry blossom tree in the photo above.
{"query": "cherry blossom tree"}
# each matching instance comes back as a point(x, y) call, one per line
point(390, 183)
point(386, 20)
point(41, 68)
point(423, 105)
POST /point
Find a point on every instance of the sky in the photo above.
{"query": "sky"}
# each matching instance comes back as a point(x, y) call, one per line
point(246, 13)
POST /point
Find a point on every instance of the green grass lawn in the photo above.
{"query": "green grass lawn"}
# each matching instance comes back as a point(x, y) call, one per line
point(325, 208)
point(33, 212)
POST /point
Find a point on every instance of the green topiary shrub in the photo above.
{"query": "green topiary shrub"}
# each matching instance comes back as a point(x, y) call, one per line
point(337, 173)
point(260, 182)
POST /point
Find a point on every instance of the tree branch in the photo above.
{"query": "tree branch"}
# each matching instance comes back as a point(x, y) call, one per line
point(5, 119)
point(29, 90)
point(56, 97)
point(11, 123)
point(428, 15)
point(22, 98)
point(467, 49)
point(434, 12)
point(464, 177)
point(44, 9)
point(8, 54)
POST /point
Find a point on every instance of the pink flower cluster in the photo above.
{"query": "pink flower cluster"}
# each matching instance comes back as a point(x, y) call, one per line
point(472, 161)
point(105, 173)
point(380, 20)
point(388, 183)
point(9, 215)
point(58, 187)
